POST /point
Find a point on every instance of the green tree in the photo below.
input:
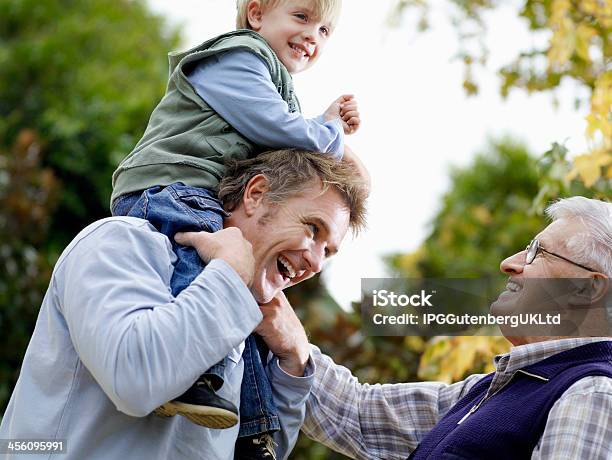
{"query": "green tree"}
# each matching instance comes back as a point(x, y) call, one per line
point(27, 196)
point(84, 76)
point(78, 81)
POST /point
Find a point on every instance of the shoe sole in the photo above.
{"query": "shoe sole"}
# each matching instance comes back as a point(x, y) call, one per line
point(209, 417)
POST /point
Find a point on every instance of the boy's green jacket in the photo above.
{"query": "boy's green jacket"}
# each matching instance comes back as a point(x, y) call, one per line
point(186, 140)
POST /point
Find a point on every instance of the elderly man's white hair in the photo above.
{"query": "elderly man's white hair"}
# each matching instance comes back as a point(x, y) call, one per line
point(594, 247)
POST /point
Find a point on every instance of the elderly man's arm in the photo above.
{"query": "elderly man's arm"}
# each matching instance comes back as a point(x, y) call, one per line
point(374, 421)
point(290, 394)
point(579, 424)
point(291, 370)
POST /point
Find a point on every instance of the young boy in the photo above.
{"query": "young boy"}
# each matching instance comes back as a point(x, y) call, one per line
point(230, 98)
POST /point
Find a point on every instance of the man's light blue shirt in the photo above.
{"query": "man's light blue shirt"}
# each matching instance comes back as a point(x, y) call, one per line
point(111, 344)
point(238, 87)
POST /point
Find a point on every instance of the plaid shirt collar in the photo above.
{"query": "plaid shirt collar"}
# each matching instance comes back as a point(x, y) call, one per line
point(522, 356)
point(525, 355)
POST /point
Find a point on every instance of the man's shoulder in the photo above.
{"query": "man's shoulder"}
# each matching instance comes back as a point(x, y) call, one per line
point(597, 382)
point(119, 234)
point(590, 385)
point(120, 224)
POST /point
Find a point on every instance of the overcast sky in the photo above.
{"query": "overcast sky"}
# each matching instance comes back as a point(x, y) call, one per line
point(416, 119)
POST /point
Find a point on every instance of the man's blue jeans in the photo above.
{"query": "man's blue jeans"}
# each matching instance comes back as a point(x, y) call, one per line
point(180, 208)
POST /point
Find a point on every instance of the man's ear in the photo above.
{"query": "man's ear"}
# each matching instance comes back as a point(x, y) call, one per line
point(592, 292)
point(255, 193)
point(254, 15)
point(600, 287)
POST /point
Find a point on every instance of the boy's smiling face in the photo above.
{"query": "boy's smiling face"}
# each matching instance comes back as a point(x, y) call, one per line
point(293, 30)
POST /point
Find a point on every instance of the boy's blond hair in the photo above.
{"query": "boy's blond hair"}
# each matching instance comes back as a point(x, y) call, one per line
point(328, 9)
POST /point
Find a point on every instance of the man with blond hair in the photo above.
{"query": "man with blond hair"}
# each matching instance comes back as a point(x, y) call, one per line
point(112, 342)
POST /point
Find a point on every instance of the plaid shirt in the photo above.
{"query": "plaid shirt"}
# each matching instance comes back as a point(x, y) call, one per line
point(388, 421)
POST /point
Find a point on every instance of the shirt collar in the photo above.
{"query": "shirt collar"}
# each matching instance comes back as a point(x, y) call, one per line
point(524, 355)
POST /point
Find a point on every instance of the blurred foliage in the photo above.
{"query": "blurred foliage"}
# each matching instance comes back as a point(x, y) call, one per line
point(28, 195)
point(484, 217)
point(78, 82)
point(450, 359)
point(578, 48)
point(84, 76)
point(558, 178)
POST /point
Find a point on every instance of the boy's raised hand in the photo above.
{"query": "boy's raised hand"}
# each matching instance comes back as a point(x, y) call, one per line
point(345, 108)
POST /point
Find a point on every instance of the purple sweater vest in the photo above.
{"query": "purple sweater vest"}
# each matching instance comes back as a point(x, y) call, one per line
point(510, 423)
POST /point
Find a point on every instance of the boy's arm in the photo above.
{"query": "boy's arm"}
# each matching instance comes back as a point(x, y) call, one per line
point(238, 87)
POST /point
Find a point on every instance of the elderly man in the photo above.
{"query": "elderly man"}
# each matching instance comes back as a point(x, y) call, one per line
point(104, 351)
point(550, 397)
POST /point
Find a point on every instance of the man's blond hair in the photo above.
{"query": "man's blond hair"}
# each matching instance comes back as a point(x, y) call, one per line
point(327, 9)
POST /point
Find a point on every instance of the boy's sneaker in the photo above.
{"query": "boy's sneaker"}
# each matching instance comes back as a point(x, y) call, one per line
point(202, 406)
point(259, 446)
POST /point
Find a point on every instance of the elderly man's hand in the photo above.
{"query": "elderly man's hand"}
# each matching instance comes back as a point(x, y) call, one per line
point(284, 334)
point(228, 245)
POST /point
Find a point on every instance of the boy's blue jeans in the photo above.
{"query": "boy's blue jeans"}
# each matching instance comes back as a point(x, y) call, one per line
point(180, 208)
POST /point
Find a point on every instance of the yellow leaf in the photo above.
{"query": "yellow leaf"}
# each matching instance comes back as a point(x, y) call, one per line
point(414, 343)
point(601, 101)
point(601, 10)
point(588, 166)
point(584, 34)
point(559, 9)
point(461, 360)
point(563, 40)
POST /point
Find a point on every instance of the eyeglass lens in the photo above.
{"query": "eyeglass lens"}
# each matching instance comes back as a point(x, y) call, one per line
point(532, 251)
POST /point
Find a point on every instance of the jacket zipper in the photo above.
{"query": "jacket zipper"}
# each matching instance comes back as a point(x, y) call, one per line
point(475, 408)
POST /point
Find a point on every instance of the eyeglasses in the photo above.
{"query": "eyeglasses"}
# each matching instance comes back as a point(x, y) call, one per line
point(534, 247)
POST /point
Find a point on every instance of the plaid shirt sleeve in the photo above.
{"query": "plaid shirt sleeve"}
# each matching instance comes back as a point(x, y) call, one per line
point(579, 424)
point(373, 422)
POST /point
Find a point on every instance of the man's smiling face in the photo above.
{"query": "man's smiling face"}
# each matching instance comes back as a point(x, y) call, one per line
point(290, 240)
point(528, 290)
